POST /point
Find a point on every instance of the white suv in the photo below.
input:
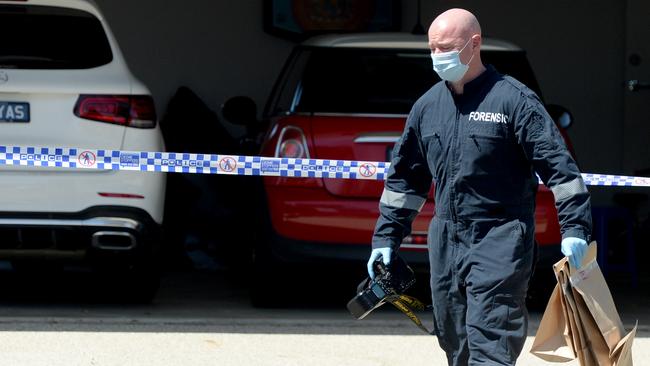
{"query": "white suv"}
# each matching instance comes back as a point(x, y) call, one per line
point(64, 83)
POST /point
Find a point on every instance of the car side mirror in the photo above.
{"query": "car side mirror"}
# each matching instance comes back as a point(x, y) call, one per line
point(560, 115)
point(240, 110)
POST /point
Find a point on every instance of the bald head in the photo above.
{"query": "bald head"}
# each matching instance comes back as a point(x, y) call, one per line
point(455, 22)
point(458, 30)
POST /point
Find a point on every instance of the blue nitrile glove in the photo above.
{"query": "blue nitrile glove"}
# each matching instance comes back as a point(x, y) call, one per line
point(385, 254)
point(575, 249)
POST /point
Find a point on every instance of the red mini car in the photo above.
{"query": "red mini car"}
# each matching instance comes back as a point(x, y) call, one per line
point(347, 97)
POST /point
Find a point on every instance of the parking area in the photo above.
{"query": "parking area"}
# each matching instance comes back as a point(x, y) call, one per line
point(205, 318)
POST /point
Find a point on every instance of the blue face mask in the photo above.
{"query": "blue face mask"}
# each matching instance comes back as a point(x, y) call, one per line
point(448, 66)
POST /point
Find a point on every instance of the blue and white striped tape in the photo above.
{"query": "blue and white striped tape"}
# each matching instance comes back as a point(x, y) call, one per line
point(228, 164)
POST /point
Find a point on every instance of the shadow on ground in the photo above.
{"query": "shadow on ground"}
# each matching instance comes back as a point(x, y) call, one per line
point(218, 302)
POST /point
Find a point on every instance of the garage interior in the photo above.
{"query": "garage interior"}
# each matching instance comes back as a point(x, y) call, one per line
point(585, 55)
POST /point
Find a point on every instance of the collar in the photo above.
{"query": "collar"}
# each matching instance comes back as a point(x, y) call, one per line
point(475, 84)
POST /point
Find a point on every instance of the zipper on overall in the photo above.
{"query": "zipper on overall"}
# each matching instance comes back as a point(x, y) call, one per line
point(454, 166)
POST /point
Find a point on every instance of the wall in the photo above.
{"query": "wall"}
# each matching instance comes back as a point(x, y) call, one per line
point(219, 49)
point(576, 49)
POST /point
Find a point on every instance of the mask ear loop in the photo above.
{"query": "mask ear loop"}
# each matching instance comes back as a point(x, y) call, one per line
point(461, 50)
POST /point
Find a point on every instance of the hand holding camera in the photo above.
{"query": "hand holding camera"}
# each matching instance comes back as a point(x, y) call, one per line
point(385, 254)
point(389, 275)
point(389, 278)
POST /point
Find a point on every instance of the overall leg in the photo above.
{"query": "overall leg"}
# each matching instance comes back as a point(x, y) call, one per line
point(449, 301)
point(498, 269)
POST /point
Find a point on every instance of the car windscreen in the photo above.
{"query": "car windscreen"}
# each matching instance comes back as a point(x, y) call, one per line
point(381, 81)
point(45, 37)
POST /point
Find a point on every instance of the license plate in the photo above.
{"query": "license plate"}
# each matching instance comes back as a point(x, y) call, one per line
point(14, 112)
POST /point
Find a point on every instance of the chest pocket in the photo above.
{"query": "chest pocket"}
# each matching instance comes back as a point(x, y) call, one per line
point(488, 150)
point(487, 138)
point(489, 129)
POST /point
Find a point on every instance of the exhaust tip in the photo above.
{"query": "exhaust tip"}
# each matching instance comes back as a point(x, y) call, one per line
point(113, 240)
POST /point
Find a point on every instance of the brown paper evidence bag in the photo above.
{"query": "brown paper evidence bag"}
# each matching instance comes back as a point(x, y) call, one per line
point(581, 321)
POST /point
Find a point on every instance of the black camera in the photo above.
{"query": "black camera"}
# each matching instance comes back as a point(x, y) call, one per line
point(389, 281)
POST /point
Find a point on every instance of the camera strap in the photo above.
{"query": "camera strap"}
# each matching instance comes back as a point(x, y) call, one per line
point(407, 304)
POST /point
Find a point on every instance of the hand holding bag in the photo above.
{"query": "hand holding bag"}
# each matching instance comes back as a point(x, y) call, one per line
point(581, 320)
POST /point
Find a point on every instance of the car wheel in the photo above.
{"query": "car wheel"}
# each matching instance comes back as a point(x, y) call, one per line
point(141, 285)
point(134, 283)
point(269, 282)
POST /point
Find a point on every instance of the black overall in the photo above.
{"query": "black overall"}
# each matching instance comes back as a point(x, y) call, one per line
point(481, 149)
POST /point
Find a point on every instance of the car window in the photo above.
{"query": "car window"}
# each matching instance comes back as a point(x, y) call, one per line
point(286, 91)
point(44, 37)
point(364, 81)
point(373, 80)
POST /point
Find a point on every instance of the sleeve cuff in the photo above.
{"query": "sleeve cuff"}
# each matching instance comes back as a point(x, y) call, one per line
point(577, 233)
point(384, 243)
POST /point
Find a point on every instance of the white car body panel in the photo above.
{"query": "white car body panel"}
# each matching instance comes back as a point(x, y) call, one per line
point(52, 95)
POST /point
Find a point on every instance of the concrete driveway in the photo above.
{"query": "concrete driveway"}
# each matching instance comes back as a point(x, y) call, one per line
point(205, 319)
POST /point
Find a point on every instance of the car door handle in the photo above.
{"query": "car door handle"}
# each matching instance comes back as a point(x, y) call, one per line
point(378, 137)
point(636, 85)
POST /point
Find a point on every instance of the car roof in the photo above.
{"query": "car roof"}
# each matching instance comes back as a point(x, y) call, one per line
point(394, 41)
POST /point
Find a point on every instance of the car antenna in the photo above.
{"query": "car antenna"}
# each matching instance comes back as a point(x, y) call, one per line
point(418, 29)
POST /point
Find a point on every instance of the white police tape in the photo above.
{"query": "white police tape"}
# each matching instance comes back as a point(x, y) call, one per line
point(189, 163)
point(76, 158)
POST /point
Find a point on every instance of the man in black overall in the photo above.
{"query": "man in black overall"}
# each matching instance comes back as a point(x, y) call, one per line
point(481, 137)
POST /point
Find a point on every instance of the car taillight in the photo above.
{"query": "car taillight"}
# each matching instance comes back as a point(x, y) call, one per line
point(120, 195)
point(126, 110)
point(292, 144)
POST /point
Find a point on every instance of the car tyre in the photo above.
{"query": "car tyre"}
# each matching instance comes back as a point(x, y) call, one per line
point(134, 283)
point(142, 284)
point(269, 282)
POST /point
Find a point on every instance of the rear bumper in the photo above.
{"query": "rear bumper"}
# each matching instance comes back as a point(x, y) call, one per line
point(68, 190)
point(298, 251)
point(101, 231)
point(291, 250)
point(312, 214)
